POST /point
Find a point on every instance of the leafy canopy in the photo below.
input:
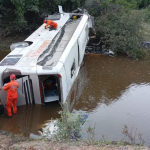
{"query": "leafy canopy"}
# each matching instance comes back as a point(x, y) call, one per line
point(29, 14)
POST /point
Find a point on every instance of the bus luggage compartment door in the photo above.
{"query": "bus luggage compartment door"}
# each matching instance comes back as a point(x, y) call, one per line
point(25, 92)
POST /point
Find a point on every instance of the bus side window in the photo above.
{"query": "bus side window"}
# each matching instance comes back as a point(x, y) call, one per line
point(73, 68)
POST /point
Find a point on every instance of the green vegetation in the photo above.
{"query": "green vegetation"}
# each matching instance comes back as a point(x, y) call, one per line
point(146, 14)
point(143, 3)
point(119, 26)
point(133, 136)
point(119, 31)
point(28, 15)
point(69, 125)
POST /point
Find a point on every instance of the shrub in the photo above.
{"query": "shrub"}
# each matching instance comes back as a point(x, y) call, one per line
point(146, 14)
point(120, 30)
point(29, 14)
point(143, 3)
point(128, 4)
point(69, 125)
point(133, 135)
point(96, 7)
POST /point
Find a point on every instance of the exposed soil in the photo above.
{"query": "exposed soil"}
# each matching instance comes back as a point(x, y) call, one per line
point(9, 141)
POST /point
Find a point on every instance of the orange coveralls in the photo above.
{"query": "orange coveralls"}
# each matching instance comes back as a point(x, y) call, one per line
point(11, 88)
point(50, 22)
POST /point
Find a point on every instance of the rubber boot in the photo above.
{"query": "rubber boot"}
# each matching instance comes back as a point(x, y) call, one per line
point(51, 28)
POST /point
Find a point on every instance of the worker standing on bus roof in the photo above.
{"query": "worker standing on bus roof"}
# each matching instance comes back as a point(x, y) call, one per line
point(51, 24)
point(11, 88)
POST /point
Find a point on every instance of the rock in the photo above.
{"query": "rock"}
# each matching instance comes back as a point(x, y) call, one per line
point(121, 147)
point(107, 52)
point(35, 137)
point(4, 132)
point(145, 44)
point(83, 118)
point(49, 130)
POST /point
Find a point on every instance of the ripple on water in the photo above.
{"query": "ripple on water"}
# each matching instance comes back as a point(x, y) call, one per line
point(121, 96)
point(113, 91)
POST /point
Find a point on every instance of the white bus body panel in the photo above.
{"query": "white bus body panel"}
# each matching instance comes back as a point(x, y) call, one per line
point(67, 64)
point(63, 85)
point(35, 85)
point(24, 92)
point(71, 61)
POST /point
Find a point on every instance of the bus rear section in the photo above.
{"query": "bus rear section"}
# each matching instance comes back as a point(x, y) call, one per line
point(49, 86)
point(26, 89)
point(33, 89)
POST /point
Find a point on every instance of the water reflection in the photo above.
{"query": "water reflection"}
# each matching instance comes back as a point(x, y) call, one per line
point(131, 109)
point(104, 79)
point(112, 91)
point(30, 118)
point(115, 92)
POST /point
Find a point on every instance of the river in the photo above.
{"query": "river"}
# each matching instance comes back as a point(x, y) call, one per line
point(113, 91)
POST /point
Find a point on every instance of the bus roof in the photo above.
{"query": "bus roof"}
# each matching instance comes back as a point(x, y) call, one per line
point(47, 46)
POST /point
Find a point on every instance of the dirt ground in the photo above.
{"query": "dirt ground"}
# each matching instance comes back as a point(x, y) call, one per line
point(8, 141)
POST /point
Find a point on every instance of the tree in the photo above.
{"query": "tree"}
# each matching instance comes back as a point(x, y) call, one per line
point(143, 3)
point(17, 21)
point(29, 14)
point(128, 4)
point(97, 6)
point(118, 29)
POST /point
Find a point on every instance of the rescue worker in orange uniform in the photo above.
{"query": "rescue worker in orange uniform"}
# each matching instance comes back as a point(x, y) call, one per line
point(11, 88)
point(51, 24)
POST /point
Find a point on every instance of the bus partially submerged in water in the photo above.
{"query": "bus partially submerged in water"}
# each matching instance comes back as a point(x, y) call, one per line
point(47, 62)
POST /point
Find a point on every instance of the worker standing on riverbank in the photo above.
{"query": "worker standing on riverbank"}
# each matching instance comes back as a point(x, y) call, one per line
point(51, 24)
point(11, 88)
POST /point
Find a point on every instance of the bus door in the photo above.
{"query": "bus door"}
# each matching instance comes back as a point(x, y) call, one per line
point(25, 92)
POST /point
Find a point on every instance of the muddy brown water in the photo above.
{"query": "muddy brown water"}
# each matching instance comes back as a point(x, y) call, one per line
point(113, 92)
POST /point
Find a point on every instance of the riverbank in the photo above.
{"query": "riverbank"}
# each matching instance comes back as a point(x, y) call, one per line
point(9, 141)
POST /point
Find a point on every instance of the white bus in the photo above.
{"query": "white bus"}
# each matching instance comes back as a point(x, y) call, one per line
point(47, 63)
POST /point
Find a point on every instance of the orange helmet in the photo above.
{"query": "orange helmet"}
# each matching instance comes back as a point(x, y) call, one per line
point(12, 77)
point(44, 21)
